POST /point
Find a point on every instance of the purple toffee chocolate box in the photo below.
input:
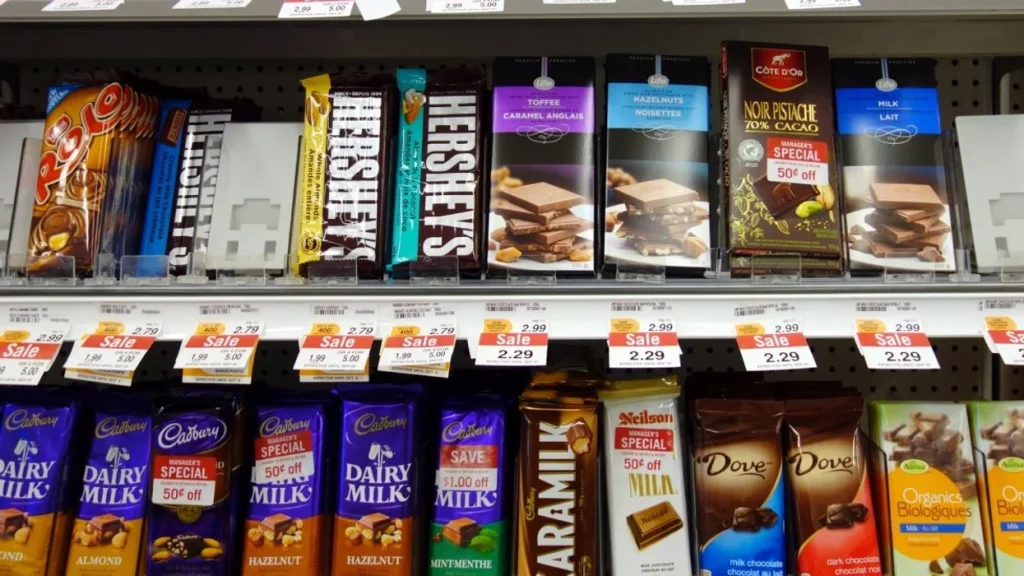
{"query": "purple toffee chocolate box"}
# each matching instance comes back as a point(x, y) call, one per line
point(192, 538)
point(374, 531)
point(285, 525)
point(469, 529)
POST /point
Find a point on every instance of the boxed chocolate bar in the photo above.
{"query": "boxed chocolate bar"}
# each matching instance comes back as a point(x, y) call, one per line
point(172, 127)
point(778, 158)
point(997, 429)
point(437, 211)
point(898, 213)
point(926, 479)
point(542, 192)
point(647, 506)
point(833, 509)
point(108, 531)
point(471, 525)
point(375, 518)
point(285, 520)
point(739, 485)
point(344, 175)
point(656, 174)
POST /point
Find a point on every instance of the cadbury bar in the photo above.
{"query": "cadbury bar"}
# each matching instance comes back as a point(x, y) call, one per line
point(645, 505)
point(374, 523)
point(470, 524)
point(344, 176)
point(557, 486)
point(284, 528)
point(35, 444)
point(108, 533)
point(827, 475)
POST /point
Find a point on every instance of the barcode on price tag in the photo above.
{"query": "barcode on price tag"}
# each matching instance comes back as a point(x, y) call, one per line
point(284, 456)
point(1005, 337)
point(184, 480)
point(225, 345)
point(513, 341)
point(465, 6)
point(774, 344)
point(316, 9)
point(114, 346)
point(28, 350)
point(643, 342)
point(894, 343)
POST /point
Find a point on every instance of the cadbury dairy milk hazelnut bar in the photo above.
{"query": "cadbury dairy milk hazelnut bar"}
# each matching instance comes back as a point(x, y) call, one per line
point(646, 504)
point(344, 176)
point(557, 526)
point(470, 524)
point(438, 204)
point(193, 456)
point(739, 486)
point(109, 530)
point(834, 515)
point(925, 471)
point(374, 523)
point(284, 529)
point(34, 450)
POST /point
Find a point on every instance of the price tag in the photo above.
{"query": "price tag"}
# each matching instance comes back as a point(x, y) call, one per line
point(465, 6)
point(643, 342)
point(771, 345)
point(316, 9)
point(184, 480)
point(797, 161)
point(81, 5)
point(114, 346)
point(340, 346)
point(513, 342)
point(895, 344)
point(1006, 338)
point(200, 4)
point(284, 456)
point(220, 345)
point(28, 350)
point(430, 342)
point(812, 4)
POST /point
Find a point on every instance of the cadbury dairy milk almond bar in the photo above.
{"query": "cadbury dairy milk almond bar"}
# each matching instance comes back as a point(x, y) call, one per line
point(108, 533)
point(739, 486)
point(438, 207)
point(374, 523)
point(646, 504)
point(557, 526)
point(344, 175)
point(193, 444)
point(34, 444)
point(284, 526)
point(470, 528)
point(831, 494)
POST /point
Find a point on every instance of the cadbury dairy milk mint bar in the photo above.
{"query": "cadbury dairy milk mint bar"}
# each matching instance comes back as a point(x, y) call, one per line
point(192, 444)
point(284, 527)
point(34, 444)
point(374, 532)
point(470, 528)
point(108, 533)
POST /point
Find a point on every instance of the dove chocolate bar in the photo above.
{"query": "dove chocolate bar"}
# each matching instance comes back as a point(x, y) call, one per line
point(778, 156)
point(542, 163)
point(374, 522)
point(438, 206)
point(108, 533)
point(344, 175)
point(557, 487)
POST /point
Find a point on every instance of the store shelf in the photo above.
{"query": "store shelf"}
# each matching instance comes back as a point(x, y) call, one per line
point(161, 10)
point(575, 310)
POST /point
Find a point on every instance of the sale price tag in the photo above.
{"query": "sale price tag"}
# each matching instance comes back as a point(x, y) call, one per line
point(220, 345)
point(429, 342)
point(114, 346)
point(1006, 338)
point(284, 456)
point(28, 350)
point(895, 344)
point(513, 342)
point(643, 342)
point(316, 9)
point(184, 480)
point(771, 345)
point(465, 6)
point(797, 161)
point(336, 347)
point(81, 5)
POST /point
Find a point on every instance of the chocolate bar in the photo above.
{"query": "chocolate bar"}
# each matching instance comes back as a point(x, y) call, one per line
point(654, 194)
point(843, 515)
point(653, 524)
point(509, 210)
point(517, 227)
point(781, 197)
point(376, 523)
point(542, 197)
point(107, 523)
point(278, 524)
point(11, 519)
point(967, 551)
point(186, 546)
point(461, 531)
point(579, 437)
point(905, 196)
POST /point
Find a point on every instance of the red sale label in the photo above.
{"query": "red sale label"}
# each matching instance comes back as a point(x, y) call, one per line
point(467, 468)
point(644, 342)
point(894, 344)
point(797, 161)
point(284, 457)
point(772, 344)
point(645, 439)
point(184, 480)
point(28, 350)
